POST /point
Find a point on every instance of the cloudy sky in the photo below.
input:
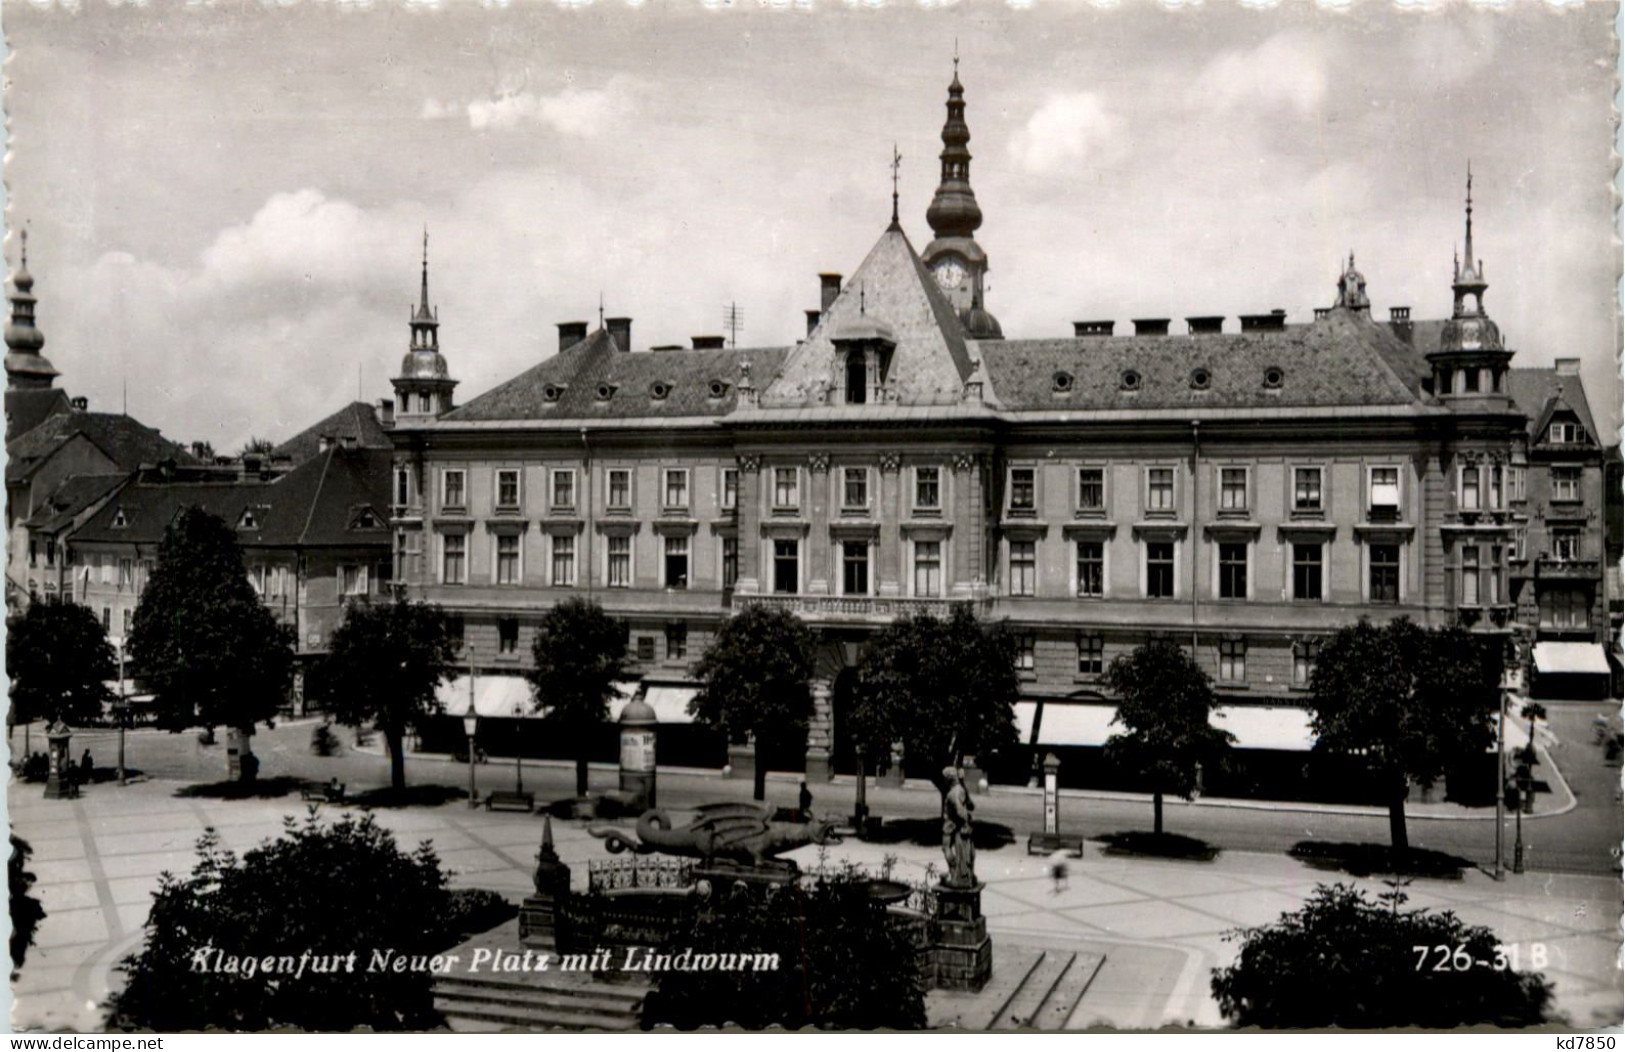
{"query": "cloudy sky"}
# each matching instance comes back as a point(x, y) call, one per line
point(226, 203)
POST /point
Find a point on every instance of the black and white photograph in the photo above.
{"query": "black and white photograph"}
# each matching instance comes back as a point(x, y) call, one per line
point(652, 516)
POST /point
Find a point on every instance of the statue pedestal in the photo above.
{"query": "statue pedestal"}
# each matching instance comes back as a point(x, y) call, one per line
point(539, 915)
point(961, 952)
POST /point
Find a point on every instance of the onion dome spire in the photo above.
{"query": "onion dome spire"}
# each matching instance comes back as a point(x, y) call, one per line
point(25, 365)
point(953, 211)
point(425, 321)
point(1469, 270)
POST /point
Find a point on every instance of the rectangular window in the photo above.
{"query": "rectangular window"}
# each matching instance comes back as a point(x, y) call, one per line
point(256, 579)
point(127, 618)
point(1232, 660)
point(730, 488)
point(564, 488)
point(646, 648)
point(508, 488)
point(1565, 545)
point(454, 558)
point(676, 562)
point(126, 572)
point(564, 560)
point(1469, 488)
point(1562, 434)
point(403, 487)
point(928, 568)
point(1159, 569)
point(1091, 489)
point(1306, 489)
point(1023, 567)
point(1304, 656)
point(107, 619)
point(854, 489)
point(928, 489)
point(507, 558)
point(1233, 571)
point(1515, 478)
point(1469, 381)
point(1232, 489)
point(786, 488)
point(620, 561)
point(1568, 608)
point(730, 561)
point(1492, 581)
point(1496, 501)
point(1026, 655)
point(676, 489)
point(1091, 654)
point(1306, 571)
point(1023, 491)
point(854, 567)
point(50, 551)
point(618, 489)
point(1520, 543)
point(787, 567)
point(676, 640)
point(1384, 573)
point(452, 493)
point(507, 635)
point(1385, 489)
point(1159, 489)
point(1091, 568)
point(276, 579)
point(1565, 483)
point(1469, 575)
point(353, 579)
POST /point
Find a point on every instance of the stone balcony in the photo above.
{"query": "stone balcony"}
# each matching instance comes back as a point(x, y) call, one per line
point(860, 609)
point(1549, 569)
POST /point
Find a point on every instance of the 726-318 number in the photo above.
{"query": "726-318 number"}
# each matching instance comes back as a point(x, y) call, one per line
point(1446, 958)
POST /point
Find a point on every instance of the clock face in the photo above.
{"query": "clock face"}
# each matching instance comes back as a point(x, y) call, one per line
point(950, 273)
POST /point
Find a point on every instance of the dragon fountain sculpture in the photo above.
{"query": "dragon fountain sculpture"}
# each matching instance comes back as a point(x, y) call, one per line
point(740, 832)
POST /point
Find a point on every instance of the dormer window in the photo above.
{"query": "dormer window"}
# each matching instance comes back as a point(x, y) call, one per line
point(1061, 383)
point(1273, 378)
point(717, 389)
point(1130, 380)
point(248, 521)
point(659, 390)
point(552, 392)
point(119, 520)
point(1563, 433)
point(606, 392)
point(1201, 379)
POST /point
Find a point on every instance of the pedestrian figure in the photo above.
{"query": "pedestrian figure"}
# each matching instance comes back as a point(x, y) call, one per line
point(1058, 872)
point(86, 766)
point(804, 800)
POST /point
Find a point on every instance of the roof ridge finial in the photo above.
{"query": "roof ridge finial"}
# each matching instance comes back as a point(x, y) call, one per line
point(1467, 250)
point(896, 163)
point(863, 303)
point(423, 302)
point(600, 308)
point(24, 262)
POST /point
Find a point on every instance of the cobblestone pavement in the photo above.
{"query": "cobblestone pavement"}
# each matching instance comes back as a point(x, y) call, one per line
point(1160, 925)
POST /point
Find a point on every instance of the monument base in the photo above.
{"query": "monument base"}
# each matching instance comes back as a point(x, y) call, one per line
point(1049, 843)
point(539, 922)
point(961, 951)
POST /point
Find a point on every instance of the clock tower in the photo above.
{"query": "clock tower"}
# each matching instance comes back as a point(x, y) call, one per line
point(954, 258)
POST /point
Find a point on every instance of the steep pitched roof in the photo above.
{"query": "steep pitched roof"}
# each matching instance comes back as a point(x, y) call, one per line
point(127, 442)
point(891, 287)
point(575, 375)
point(27, 409)
point(1340, 360)
point(1540, 393)
point(358, 419)
point(317, 504)
point(71, 497)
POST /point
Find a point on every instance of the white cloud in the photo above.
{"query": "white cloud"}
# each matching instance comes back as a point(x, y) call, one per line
point(1287, 70)
point(571, 111)
point(1065, 131)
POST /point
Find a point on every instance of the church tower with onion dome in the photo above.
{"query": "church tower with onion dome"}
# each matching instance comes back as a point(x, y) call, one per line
point(26, 368)
point(423, 388)
point(954, 258)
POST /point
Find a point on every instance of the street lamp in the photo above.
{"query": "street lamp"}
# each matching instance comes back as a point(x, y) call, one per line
point(123, 707)
point(471, 724)
point(518, 748)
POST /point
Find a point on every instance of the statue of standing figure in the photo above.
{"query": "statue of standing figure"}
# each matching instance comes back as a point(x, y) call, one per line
point(957, 845)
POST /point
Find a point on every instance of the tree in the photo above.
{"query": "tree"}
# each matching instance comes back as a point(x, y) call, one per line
point(1534, 712)
point(384, 664)
point(26, 911)
point(1346, 961)
point(59, 660)
point(578, 656)
point(257, 447)
point(754, 680)
point(945, 688)
point(210, 651)
point(310, 902)
point(1411, 700)
point(841, 963)
point(1164, 701)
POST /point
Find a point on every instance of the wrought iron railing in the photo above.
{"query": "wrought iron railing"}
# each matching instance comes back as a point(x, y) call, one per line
point(637, 871)
point(839, 606)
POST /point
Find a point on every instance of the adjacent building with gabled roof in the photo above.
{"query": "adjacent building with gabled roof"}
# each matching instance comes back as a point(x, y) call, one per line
point(1246, 491)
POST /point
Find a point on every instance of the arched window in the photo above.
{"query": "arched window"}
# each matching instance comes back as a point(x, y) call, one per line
point(857, 379)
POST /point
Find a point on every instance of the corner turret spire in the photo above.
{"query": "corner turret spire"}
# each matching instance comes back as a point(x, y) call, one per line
point(423, 387)
point(1469, 269)
point(26, 367)
point(953, 256)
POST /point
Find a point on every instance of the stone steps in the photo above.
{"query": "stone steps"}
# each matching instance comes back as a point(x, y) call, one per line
point(537, 1000)
point(1049, 992)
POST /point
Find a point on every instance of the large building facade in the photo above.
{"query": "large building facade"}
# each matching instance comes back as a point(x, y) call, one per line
point(1247, 492)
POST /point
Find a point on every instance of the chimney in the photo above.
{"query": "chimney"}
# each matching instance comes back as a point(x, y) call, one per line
point(1150, 326)
point(812, 320)
point(250, 465)
point(1205, 323)
point(1567, 366)
point(1399, 321)
point(571, 333)
point(829, 286)
point(349, 442)
point(1322, 313)
point(385, 410)
point(709, 343)
point(1093, 328)
point(79, 402)
point(200, 450)
point(1399, 314)
point(324, 443)
point(667, 347)
point(1274, 321)
point(620, 330)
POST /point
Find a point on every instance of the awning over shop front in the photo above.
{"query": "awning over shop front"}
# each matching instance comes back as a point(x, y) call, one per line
point(502, 697)
point(1571, 658)
point(1070, 723)
point(670, 703)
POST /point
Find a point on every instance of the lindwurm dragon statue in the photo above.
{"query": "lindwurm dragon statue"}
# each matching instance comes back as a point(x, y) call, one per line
point(741, 832)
